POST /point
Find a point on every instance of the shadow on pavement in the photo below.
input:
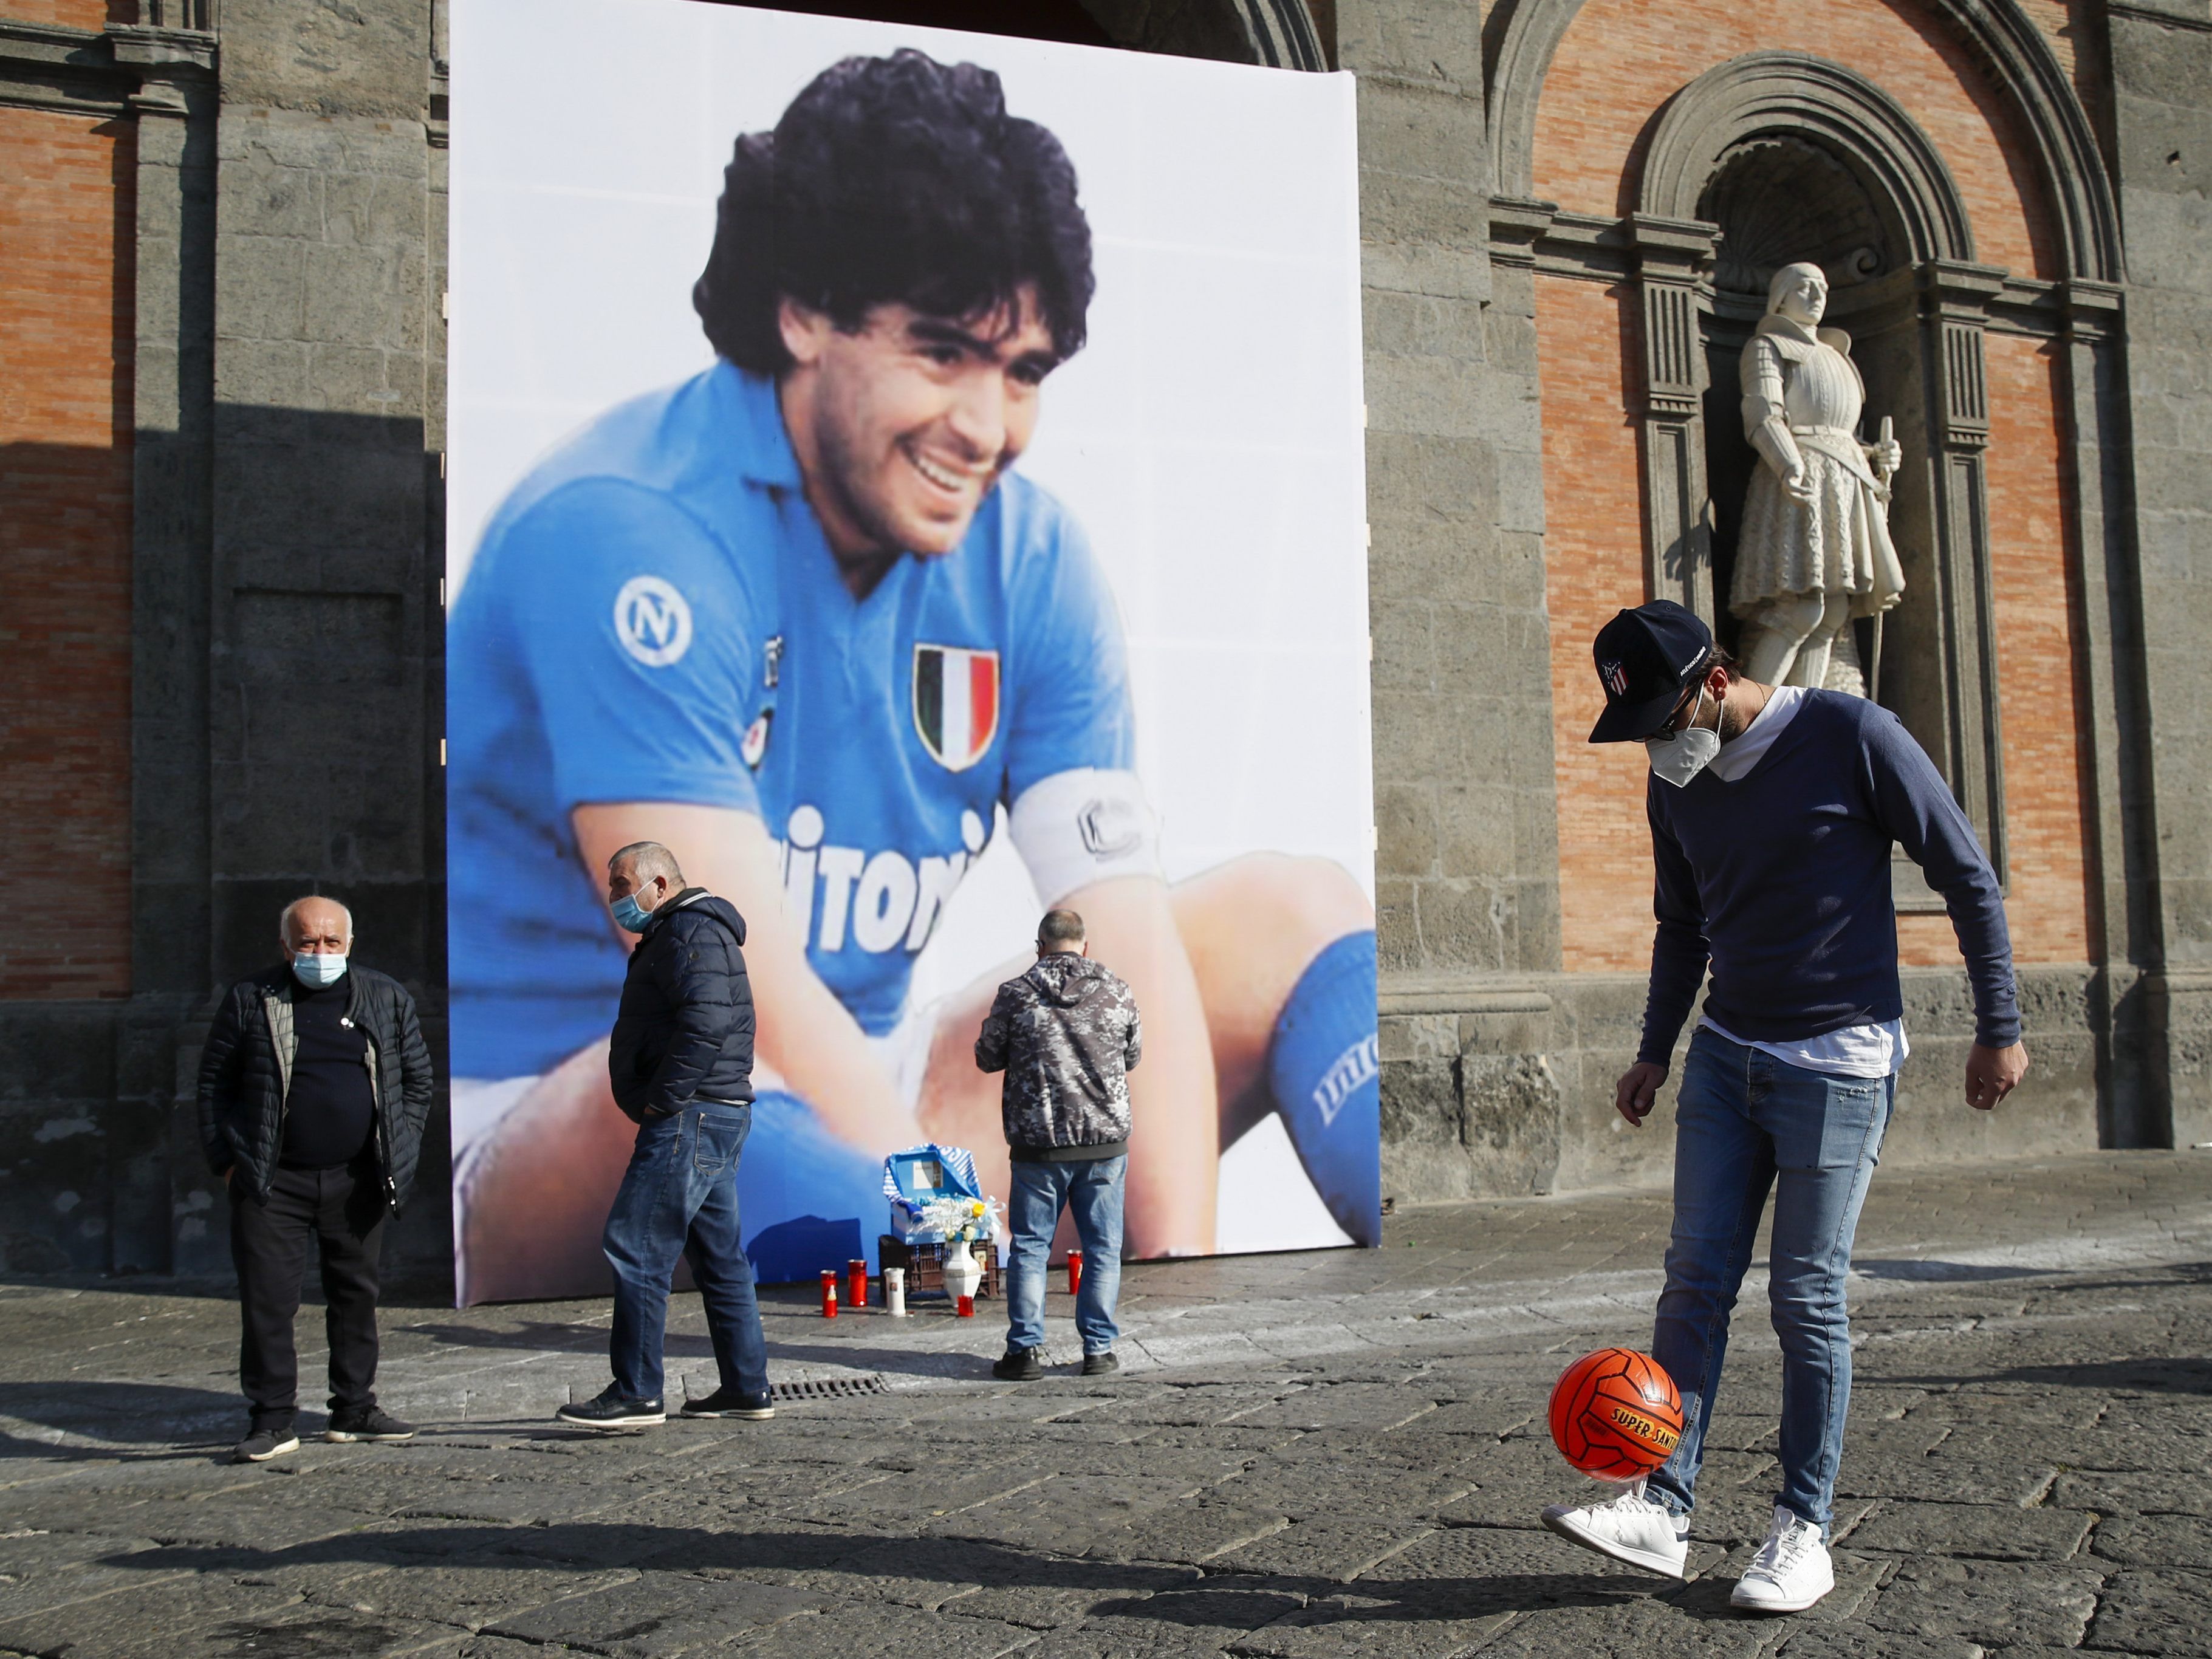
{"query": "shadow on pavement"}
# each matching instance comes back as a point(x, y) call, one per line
point(116, 1415)
point(2155, 1375)
point(1944, 1272)
point(1165, 1593)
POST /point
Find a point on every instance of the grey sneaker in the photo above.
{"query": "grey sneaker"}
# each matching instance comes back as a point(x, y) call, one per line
point(1019, 1365)
point(374, 1423)
point(1102, 1364)
point(264, 1442)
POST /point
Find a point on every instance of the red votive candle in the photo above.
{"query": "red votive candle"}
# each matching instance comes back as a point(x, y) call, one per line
point(856, 1282)
point(967, 1308)
point(1074, 1272)
point(828, 1292)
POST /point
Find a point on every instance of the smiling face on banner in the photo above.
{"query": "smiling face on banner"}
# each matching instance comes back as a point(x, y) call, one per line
point(779, 565)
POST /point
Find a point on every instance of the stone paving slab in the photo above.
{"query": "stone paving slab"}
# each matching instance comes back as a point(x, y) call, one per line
point(1306, 1457)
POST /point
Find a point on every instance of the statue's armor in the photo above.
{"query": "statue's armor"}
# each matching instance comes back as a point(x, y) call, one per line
point(1803, 393)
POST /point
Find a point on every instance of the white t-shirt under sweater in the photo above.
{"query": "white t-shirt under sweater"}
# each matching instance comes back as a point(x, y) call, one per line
point(1870, 1050)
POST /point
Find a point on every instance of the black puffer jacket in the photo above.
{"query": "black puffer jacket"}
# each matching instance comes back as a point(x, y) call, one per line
point(246, 1071)
point(685, 1030)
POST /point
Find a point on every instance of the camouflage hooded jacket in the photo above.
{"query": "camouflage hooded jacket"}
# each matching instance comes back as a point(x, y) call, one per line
point(1064, 1034)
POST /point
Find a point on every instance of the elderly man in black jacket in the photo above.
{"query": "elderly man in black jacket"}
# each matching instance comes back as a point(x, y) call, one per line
point(314, 1085)
point(681, 1063)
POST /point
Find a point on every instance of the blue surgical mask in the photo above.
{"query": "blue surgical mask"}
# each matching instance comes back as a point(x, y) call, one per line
point(318, 972)
point(629, 915)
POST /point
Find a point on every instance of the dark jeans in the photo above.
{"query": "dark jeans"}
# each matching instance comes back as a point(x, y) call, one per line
point(1747, 1123)
point(344, 1213)
point(679, 1197)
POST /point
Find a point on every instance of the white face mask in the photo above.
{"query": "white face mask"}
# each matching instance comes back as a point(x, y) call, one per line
point(317, 972)
point(1678, 758)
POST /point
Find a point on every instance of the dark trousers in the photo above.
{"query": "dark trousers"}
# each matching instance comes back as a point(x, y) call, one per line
point(679, 1198)
point(343, 1210)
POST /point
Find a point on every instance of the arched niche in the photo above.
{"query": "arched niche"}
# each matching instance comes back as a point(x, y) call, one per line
point(1775, 156)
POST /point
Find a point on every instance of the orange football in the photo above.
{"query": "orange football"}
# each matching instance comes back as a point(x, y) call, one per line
point(1615, 1414)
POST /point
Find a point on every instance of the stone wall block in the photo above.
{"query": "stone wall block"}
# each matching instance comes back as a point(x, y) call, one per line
point(1510, 1122)
point(1404, 631)
point(365, 58)
point(1468, 924)
point(1417, 131)
point(1424, 268)
point(261, 293)
point(1397, 924)
point(1418, 1036)
point(1406, 829)
point(1424, 324)
point(1478, 839)
point(1443, 42)
point(1413, 736)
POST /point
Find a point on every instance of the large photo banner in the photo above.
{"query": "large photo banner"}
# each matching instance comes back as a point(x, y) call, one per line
point(917, 477)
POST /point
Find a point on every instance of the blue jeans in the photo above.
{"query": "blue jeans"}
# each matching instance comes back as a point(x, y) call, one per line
point(679, 1197)
point(1744, 1123)
point(1091, 1190)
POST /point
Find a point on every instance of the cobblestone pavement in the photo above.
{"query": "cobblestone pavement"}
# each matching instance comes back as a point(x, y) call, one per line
point(1307, 1457)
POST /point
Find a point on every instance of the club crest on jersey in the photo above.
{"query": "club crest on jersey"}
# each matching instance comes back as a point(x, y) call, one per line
point(956, 702)
point(754, 744)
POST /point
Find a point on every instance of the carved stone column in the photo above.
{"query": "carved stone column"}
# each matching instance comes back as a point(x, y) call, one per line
point(1954, 317)
point(1673, 266)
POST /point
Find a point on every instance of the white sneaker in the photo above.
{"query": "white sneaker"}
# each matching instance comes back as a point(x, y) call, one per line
point(1791, 1571)
point(1631, 1528)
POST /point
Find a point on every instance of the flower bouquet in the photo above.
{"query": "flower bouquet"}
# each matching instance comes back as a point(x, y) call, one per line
point(962, 1222)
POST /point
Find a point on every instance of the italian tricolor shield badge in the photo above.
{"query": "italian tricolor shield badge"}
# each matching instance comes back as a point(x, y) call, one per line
point(956, 702)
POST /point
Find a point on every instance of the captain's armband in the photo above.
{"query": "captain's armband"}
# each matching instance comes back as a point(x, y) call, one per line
point(1085, 825)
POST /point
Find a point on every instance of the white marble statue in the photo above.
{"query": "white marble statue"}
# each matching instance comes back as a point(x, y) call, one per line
point(1815, 550)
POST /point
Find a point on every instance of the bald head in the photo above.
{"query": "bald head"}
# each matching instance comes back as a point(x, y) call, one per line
point(316, 924)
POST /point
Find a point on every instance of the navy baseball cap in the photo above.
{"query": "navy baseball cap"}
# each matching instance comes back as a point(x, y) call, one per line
point(1646, 658)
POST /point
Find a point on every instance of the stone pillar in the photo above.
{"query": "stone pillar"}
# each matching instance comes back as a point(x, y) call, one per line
point(1466, 864)
point(161, 1201)
point(2162, 59)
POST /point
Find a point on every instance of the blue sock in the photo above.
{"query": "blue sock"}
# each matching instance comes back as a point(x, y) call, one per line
point(1324, 1068)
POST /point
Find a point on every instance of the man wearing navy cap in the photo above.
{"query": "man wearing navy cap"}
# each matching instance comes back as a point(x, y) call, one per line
point(1773, 810)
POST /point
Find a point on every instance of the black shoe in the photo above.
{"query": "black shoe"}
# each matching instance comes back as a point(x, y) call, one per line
point(729, 1402)
point(371, 1423)
point(1019, 1365)
point(611, 1411)
point(264, 1440)
point(1101, 1363)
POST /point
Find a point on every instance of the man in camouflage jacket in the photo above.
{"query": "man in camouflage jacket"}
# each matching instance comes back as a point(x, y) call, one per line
point(1066, 1033)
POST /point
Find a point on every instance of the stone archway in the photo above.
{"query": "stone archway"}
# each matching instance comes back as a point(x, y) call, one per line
point(1779, 156)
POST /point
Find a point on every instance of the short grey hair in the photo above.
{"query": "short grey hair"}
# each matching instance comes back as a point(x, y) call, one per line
point(291, 910)
point(647, 858)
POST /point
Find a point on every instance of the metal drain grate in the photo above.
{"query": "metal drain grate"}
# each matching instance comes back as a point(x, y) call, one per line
point(832, 1388)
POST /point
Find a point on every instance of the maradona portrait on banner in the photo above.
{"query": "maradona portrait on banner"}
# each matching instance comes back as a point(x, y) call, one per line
point(802, 619)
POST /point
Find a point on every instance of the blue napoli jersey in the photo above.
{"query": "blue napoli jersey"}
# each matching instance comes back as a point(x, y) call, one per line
point(654, 615)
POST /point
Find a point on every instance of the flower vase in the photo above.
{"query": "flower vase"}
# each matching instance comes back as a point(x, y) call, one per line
point(962, 1273)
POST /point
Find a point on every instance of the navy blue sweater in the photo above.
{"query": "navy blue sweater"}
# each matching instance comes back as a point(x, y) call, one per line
point(1782, 881)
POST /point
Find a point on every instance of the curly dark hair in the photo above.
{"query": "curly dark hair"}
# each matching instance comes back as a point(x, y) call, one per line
point(895, 179)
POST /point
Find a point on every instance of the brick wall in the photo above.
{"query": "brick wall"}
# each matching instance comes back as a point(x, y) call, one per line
point(73, 13)
point(1619, 63)
point(1621, 59)
point(66, 483)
